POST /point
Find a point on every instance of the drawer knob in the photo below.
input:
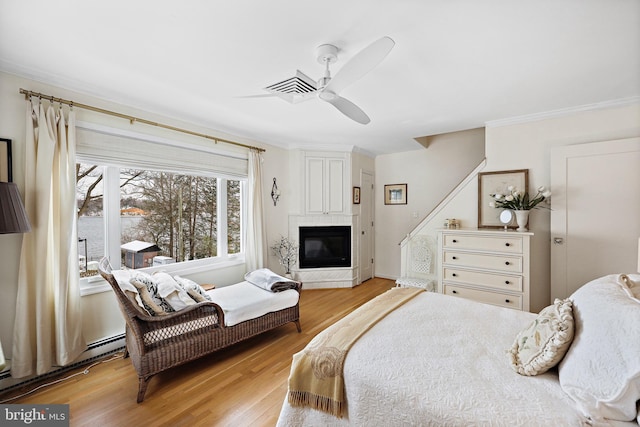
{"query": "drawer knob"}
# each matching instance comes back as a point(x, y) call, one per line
point(506, 282)
point(507, 301)
point(507, 244)
point(454, 274)
point(454, 291)
point(507, 263)
point(455, 241)
point(454, 257)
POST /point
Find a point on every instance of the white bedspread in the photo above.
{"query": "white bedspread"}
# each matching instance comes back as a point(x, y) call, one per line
point(441, 361)
point(244, 301)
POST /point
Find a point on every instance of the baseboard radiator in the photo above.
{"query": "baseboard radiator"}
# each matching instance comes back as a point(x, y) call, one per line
point(95, 351)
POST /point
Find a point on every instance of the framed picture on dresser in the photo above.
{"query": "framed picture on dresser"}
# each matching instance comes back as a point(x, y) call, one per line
point(497, 182)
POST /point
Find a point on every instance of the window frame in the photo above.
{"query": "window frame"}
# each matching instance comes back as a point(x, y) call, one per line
point(111, 214)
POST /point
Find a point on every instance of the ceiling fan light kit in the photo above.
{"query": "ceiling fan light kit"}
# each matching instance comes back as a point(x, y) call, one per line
point(301, 87)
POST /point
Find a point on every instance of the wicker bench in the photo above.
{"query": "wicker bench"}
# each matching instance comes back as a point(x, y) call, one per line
point(157, 343)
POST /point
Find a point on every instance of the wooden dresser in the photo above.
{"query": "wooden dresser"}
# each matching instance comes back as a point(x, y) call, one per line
point(485, 265)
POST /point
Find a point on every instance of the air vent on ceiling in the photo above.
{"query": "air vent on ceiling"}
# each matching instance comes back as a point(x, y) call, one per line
point(293, 88)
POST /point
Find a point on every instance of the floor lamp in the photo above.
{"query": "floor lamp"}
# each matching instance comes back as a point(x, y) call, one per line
point(13, 219)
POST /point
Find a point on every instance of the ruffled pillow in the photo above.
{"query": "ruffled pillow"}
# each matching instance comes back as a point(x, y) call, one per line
point(194, 290)
point(543, 344)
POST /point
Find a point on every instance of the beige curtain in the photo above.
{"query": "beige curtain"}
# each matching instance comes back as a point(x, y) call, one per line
point(255, 235)
point(48, 324)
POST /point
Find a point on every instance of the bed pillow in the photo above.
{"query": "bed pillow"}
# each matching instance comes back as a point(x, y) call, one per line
point(194, 290)
point(172, 292)
point(601, 370)
point(542, 344)
point(148, 291)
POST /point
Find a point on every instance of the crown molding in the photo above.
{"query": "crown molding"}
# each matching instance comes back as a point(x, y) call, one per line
point(622, 102)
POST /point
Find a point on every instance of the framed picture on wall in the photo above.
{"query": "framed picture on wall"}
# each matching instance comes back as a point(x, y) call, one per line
point(395, 194)
point(356, 195)
point(497, 182)
point(6, 174)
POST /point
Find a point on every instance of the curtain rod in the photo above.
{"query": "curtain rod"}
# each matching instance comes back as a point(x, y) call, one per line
point(132, 119)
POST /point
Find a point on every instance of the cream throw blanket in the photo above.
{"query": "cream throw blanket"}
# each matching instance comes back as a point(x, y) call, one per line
point(316, 372)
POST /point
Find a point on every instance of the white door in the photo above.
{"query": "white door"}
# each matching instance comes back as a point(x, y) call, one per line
point(595, 216)
point(366, 226)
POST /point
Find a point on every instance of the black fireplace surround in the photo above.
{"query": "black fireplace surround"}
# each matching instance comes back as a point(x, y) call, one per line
point(327, 246)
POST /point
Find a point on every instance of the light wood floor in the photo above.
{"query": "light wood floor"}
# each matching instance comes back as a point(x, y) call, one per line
point(243, 385)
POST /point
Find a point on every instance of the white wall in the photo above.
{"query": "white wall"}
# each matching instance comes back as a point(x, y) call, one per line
point(102, 317)
point(430, 174)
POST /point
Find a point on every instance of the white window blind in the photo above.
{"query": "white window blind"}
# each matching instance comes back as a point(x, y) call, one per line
point(110, 146)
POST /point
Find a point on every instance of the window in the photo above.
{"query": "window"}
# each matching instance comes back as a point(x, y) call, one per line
point(159, 216)
point(162, 217)
point(172, 201)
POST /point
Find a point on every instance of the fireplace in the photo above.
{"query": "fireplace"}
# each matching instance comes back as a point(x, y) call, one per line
point(325, 246)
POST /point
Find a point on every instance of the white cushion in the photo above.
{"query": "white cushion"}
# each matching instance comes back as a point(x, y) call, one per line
point(544, 342)
point(245, 301)
point(601, 370)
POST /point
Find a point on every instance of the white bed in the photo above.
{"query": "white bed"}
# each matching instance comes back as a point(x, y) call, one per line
point(441, 360)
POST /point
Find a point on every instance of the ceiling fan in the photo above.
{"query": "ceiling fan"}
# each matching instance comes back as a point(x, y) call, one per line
point(301, 87)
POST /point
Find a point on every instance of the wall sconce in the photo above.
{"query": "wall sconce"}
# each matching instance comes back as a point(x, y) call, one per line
point(275, 193)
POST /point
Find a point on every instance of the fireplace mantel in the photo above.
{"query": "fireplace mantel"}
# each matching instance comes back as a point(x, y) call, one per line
point(327, 277)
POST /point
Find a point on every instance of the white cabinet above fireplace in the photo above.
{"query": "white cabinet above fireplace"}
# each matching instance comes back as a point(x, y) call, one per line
point(327, 182)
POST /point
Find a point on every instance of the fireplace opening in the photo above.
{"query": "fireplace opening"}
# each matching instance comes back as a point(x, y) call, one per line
point(325, 246)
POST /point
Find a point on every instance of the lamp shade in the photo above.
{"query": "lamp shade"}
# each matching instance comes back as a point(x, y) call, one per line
point(13, 218)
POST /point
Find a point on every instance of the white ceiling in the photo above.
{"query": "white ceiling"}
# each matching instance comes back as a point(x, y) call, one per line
point(456, 64)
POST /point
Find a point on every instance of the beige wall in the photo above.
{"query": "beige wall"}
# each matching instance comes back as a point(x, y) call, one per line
point(430, 174)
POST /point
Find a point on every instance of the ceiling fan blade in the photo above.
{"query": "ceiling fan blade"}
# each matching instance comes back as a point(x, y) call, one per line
point(349, 109)
point(361, 64)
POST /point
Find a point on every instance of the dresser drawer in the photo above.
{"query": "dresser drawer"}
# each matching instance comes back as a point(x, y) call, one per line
point(506, 263)
point(495, 281)
point(503, 300)
point(495, 244)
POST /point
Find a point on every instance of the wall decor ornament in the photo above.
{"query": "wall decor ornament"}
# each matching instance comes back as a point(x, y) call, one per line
point(395, 194)
point(275, 193)
point(356, 195)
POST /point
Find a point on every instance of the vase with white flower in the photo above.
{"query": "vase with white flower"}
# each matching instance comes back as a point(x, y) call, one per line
point(520, 202)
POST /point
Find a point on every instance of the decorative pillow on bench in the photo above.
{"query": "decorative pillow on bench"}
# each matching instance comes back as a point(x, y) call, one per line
point(159, 293)
point(194, 290)
point(148, 289)
point(172, 291)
